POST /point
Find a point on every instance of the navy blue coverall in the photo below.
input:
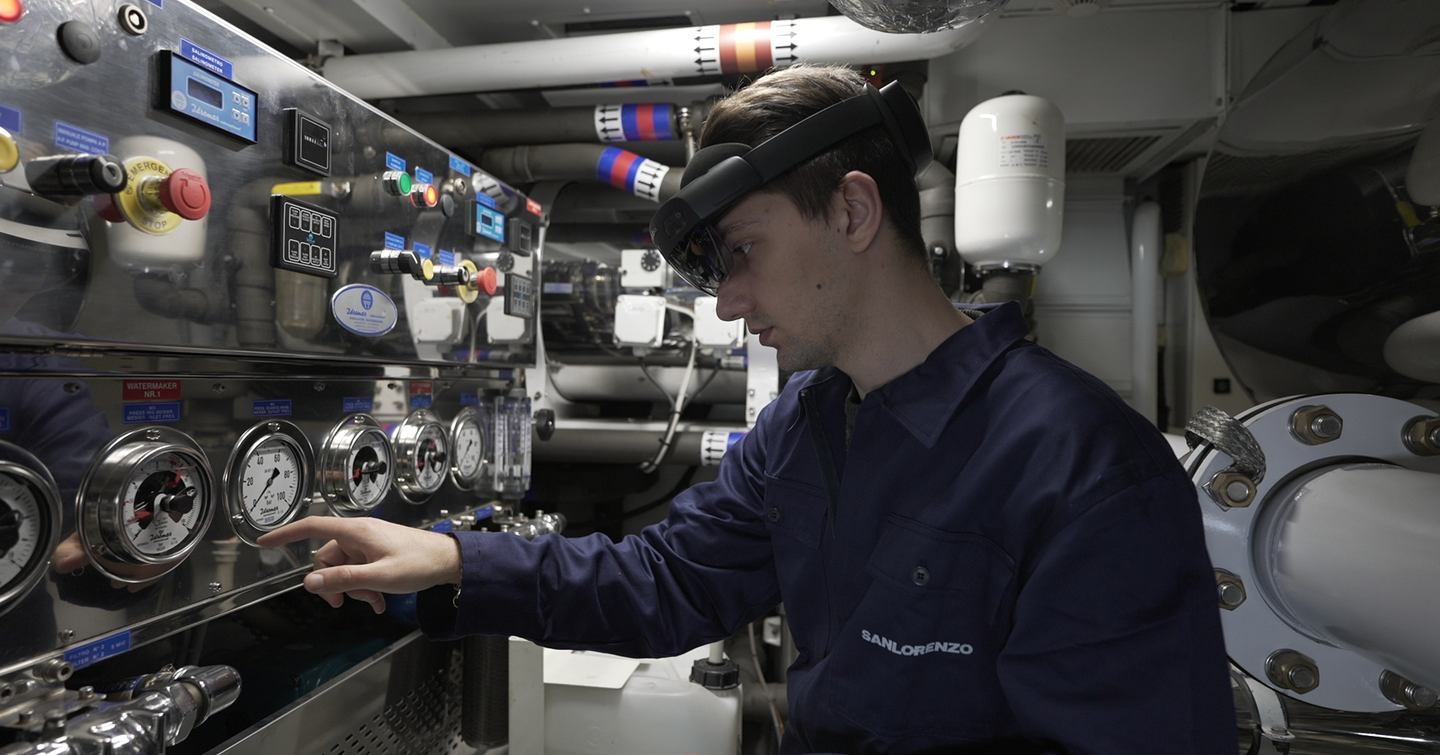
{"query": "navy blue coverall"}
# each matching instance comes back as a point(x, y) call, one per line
point(1005, 559)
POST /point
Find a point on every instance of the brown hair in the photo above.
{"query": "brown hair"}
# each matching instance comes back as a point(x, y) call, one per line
point(781, 99)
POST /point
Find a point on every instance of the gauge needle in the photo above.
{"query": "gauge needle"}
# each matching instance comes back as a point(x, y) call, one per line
point(273, 474)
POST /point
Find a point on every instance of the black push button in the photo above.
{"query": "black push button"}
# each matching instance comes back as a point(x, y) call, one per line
point(80, 41)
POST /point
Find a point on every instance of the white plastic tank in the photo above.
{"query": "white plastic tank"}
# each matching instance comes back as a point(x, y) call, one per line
point(656, 709)
point(1010, 183)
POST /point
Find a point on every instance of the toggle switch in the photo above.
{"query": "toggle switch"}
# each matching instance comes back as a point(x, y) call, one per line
point(76, 175)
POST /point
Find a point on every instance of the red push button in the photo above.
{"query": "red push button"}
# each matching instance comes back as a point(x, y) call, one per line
point(186, 194)
point(486, 280)
point(11, 11)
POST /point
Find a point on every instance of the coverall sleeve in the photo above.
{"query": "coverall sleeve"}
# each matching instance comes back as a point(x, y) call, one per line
point(691, 579)
point(1116, 632)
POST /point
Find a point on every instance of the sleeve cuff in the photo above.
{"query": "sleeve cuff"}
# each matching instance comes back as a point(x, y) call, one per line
point(498, 589)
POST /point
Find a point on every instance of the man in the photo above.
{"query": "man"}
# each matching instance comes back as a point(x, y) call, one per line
point(979, 546)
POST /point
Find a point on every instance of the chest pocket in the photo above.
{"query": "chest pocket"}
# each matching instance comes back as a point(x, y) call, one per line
point(918, 653)
point(794, 511)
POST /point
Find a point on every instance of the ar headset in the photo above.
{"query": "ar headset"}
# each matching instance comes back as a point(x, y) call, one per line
point(720, 175)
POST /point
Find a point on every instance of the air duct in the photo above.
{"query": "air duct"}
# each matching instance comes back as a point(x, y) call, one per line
point(643, 55)
point(915, 16)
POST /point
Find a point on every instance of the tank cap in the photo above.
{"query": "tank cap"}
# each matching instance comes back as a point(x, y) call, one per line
point(723, 675)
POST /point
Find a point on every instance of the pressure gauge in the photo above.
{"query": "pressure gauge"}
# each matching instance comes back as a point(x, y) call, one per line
point(145, 503)
point(29, 523)
point(355, 466)
point(422, 450)
point(471, 448)
point(267, 482)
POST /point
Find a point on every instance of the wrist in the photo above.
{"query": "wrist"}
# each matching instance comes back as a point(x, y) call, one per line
point(451, 563)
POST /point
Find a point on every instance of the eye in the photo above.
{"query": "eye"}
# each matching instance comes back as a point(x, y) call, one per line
point(740, 249)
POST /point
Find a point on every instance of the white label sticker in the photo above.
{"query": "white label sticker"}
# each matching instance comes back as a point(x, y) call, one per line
point(1023, 151)
point(364, 310)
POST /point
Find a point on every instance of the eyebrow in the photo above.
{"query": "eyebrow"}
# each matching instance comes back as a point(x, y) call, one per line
point(733, 226)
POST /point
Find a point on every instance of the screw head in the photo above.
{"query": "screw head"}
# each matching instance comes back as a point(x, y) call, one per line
point(1422, 696)
point(1313, 425)
point(1302, 678)
point(1231, 595)
point(1326, 426)
point(1231, 489)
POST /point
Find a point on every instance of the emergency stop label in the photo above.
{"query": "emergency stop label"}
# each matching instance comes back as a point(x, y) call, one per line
point(364, 310)
point(1024, 151)
point(151, 390)
point(94, 652)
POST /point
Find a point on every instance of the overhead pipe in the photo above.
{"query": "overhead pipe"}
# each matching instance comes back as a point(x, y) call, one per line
point(602, 123)
point(662, 54)
point(620, 168)
point(1145, 248)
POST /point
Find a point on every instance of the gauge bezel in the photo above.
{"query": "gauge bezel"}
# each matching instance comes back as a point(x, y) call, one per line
point(468, 414)
point(405, 444)
point(32, 472)
point(335, 459)
point(249, 442)
point(103, 537)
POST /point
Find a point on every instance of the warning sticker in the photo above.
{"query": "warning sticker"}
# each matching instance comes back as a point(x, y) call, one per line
point(1024, 151)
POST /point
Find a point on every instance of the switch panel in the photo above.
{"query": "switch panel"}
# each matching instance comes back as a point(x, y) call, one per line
point(305, 235)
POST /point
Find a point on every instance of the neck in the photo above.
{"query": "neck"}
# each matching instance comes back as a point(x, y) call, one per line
point(902, 317)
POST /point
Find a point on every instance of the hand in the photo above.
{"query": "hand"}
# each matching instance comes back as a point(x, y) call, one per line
point(69, 558)
point(366, 557)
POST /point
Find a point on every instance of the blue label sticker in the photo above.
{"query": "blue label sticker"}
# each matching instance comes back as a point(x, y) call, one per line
point(94, 652)
point(394, 162)
point(80, 140)
point(486, 200)
point(422, 251)
point(446, 257)
point(363, 404)
point(145, 414)
point(10, 120)
point(278, 407)
point(206, 59)
point(423, 176)
point(421, 401)
point(364, 310)
point(732, 439)
point(394, 241)
point(469, 399)
point(459, 166)
point(4, 420)
point(158, 3)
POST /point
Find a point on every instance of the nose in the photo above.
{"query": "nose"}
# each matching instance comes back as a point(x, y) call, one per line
point(733, 301)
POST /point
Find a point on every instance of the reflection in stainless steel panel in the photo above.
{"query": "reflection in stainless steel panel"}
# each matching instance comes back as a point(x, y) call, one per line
point(1317, 235)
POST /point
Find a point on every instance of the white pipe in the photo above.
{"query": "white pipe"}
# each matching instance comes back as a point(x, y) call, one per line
point(1350, 555)
point(643, 55)
point(1145, 249)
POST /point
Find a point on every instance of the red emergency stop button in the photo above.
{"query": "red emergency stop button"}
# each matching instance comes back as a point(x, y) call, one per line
point(486, 280)
point(186, 194)
point(11, 11)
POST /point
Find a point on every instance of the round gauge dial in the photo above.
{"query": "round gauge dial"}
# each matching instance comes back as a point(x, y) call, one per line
point(29, 516)
point(369, 469)
point(355, 465)
point(145, 502)
point(267, 481)
point(162, 502)
point(468, 438)
point(422, 450)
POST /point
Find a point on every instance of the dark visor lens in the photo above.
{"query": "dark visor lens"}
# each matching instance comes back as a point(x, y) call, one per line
point(701, 258)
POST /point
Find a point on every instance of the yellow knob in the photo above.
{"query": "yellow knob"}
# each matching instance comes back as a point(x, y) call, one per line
point(9, 152)
point(427, 270)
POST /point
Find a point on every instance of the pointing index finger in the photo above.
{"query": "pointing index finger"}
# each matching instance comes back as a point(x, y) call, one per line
point(309, 528)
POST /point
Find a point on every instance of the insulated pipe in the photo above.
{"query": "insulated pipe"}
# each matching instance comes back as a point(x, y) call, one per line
point(599, 441)
point(602, 123)
point(1145, 249)
point(620, 168)
point(1349, 554)
point(681, 52)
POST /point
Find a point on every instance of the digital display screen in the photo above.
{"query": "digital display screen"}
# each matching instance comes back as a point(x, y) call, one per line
point(205, 94)
point(489, 223)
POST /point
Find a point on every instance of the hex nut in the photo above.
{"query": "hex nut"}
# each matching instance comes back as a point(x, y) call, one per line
point(1405, 693)
point(1422, 436)
point(1313, 425)
point(1292, 670)
point(1231, 489)
point(1231, 590)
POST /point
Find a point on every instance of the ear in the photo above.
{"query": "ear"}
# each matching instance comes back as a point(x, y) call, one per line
point(861, 210)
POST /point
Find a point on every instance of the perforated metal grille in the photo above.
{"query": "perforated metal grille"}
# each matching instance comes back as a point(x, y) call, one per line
point(424, 721)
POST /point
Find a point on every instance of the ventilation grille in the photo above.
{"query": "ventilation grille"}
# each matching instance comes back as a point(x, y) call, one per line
point(1233, 174)
point(1105, 155)
point(426, 721)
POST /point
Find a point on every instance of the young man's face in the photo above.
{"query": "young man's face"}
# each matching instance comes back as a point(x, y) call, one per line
point(785, 279)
